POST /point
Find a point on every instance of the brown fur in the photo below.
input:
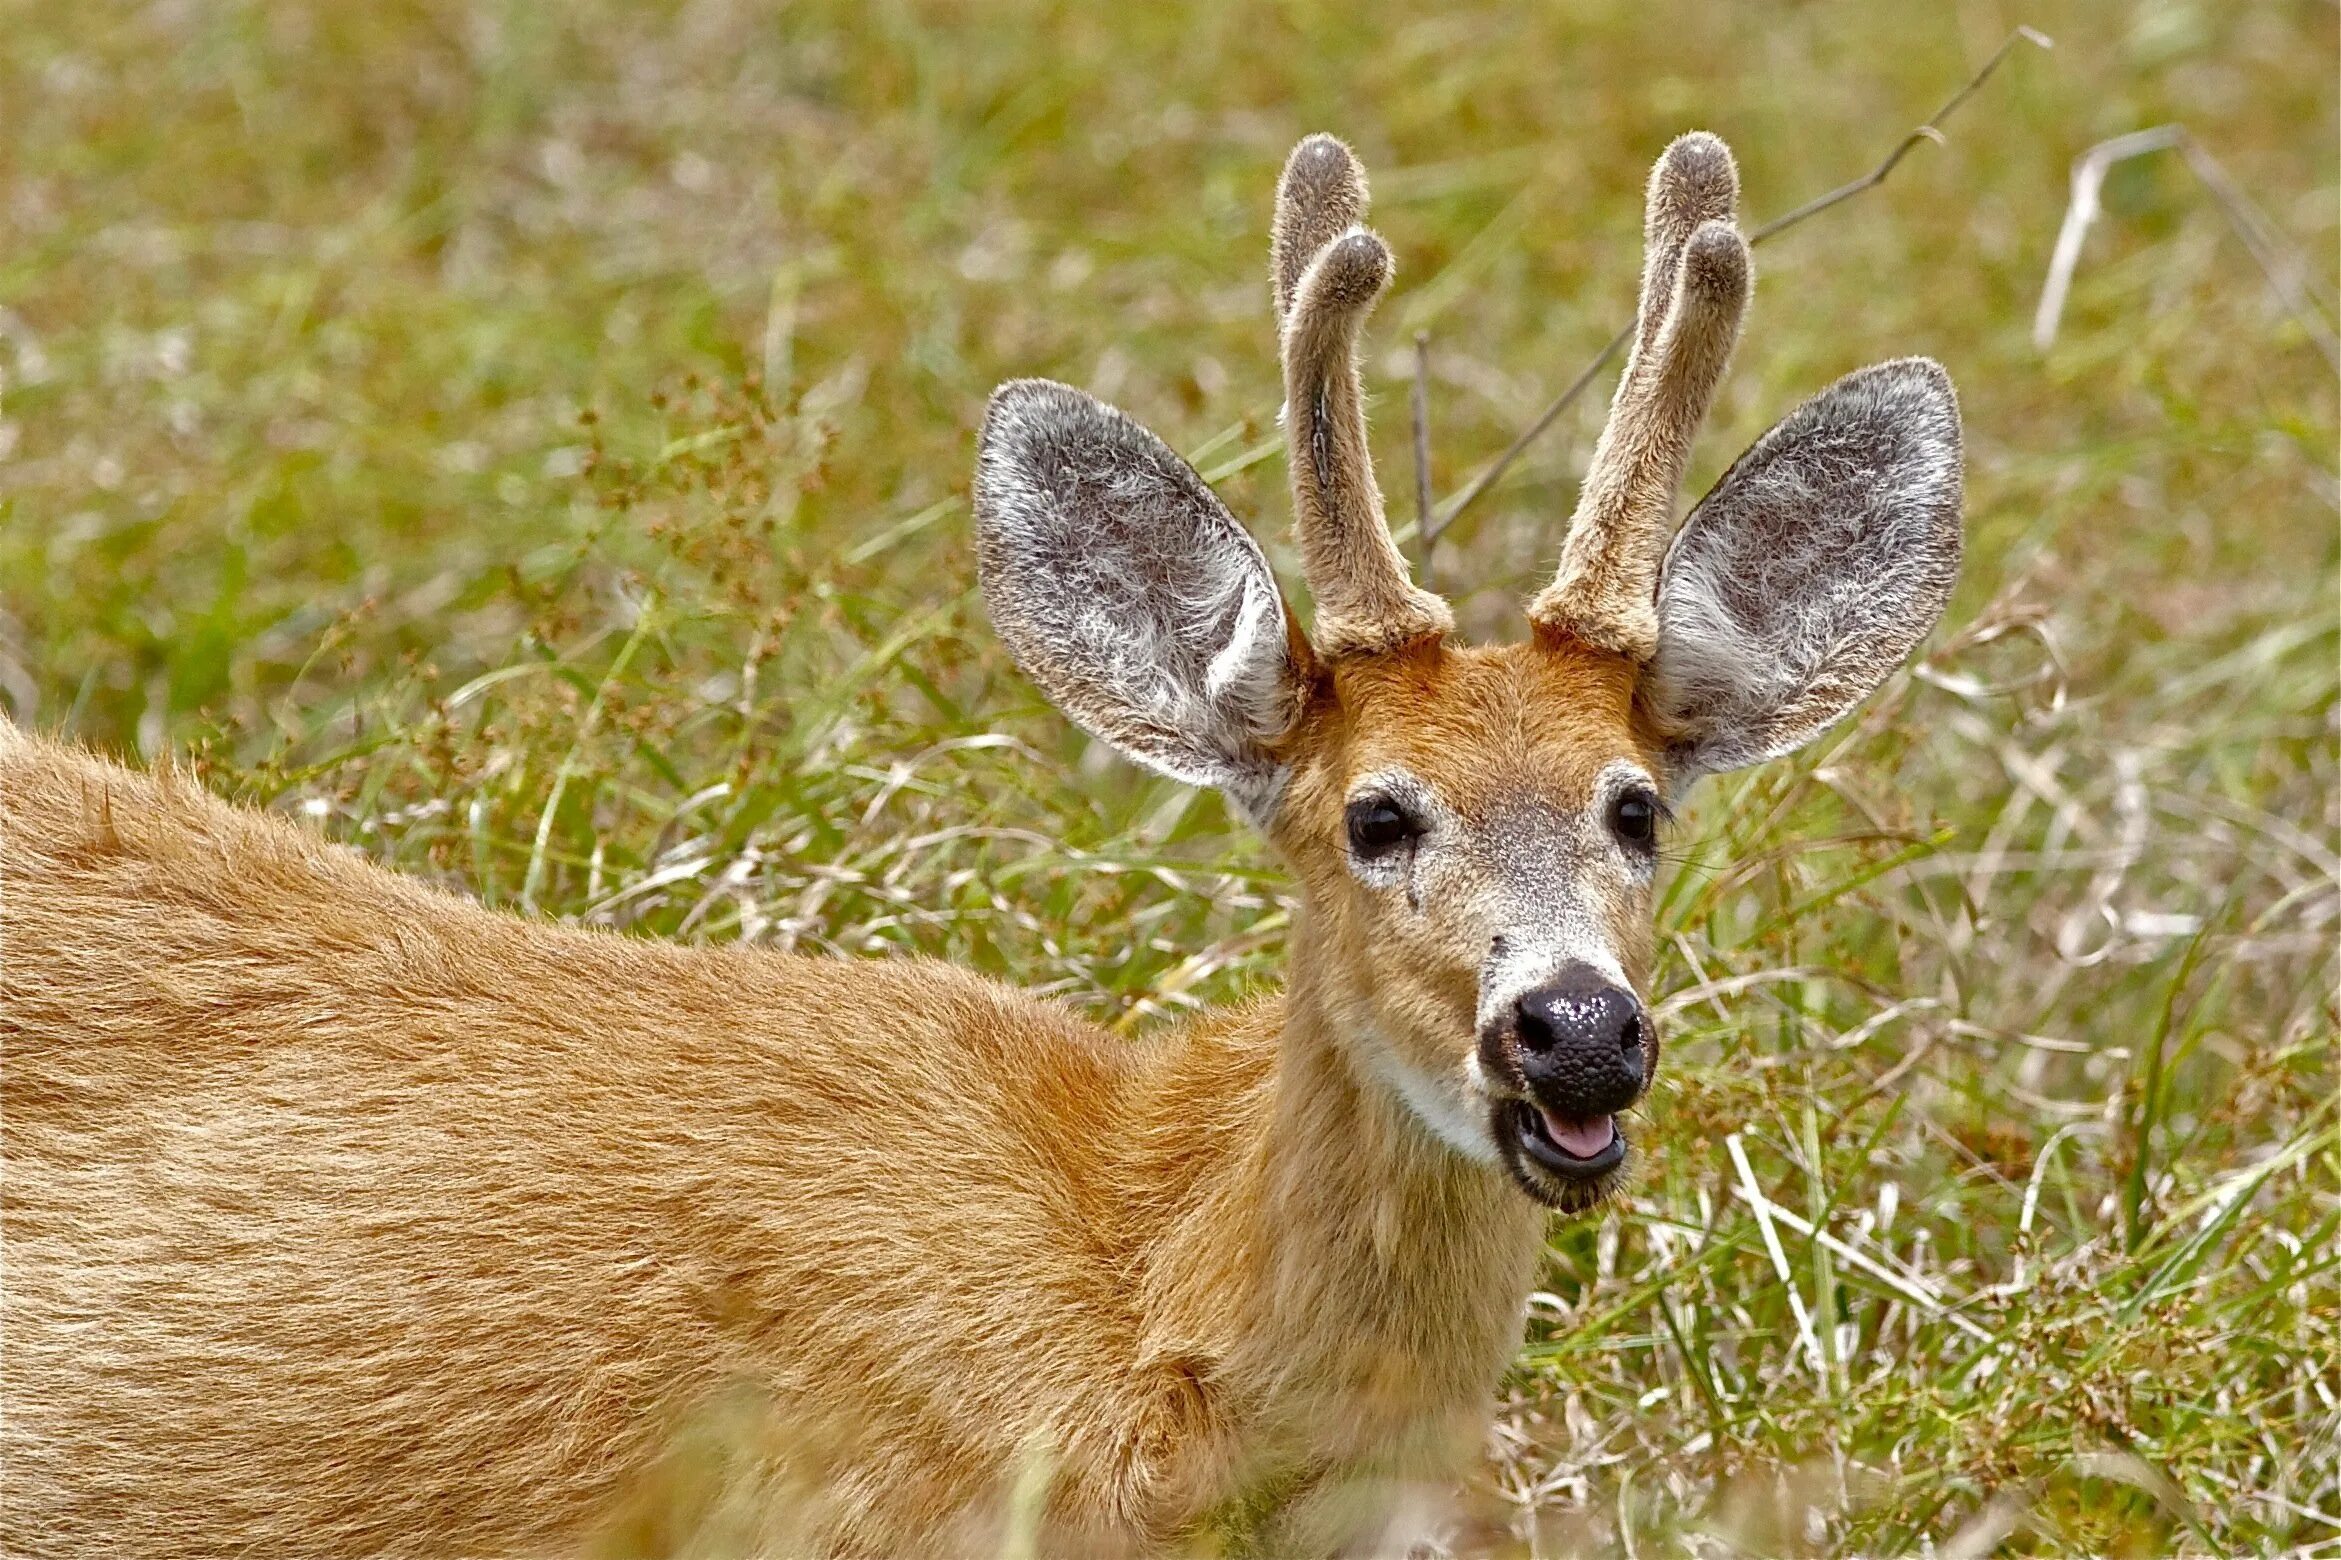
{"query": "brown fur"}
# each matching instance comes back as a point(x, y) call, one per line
point(1327, 276)
point(1320, 196)
point(1491, 731)
point(342, 1216)
point(1695, 283)
point(345, 1216)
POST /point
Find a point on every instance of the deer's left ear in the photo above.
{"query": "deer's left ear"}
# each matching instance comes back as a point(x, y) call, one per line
point(1820, 560)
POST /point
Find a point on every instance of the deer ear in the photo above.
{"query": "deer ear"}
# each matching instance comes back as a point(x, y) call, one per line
point(1126, 590)
point(1820, 560)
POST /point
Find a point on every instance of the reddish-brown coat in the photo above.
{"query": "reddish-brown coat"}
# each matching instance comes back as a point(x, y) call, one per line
point(344, 1215)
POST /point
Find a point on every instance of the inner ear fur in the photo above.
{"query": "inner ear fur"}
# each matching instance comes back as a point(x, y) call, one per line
point(1129, 594)
point(1809, 573)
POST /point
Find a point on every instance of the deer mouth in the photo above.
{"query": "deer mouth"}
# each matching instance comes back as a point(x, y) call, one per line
point(1565, 1162)
point(1580, 1150)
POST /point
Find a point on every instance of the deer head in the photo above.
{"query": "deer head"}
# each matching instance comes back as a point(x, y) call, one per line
point(1475, 829)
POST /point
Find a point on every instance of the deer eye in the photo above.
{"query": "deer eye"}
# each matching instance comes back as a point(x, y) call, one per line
point(1633, 818)
point(1378, 826)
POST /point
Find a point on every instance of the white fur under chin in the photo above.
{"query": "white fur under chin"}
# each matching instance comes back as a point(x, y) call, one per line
point(1453, 1110)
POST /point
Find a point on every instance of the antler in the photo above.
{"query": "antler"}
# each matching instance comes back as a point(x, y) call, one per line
point(1695, 280)
point(1328, 273)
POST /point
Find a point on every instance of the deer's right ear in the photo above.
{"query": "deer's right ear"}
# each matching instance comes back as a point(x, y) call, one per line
point(1125, 589)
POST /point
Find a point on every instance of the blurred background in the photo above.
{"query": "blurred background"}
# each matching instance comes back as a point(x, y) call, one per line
point(532, 441)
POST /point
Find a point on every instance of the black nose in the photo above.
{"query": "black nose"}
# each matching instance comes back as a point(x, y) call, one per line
point(1582, 1043)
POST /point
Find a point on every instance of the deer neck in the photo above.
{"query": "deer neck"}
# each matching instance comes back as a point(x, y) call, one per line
point(1358, 1282)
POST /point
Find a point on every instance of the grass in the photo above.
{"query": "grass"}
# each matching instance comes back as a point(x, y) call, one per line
point(533, 442)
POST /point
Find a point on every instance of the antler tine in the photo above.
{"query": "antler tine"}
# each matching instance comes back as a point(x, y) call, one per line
point(1321, 195)
point(1327, 274)
point(1695, 280)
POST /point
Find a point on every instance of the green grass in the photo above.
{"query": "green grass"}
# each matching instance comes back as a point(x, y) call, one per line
point(533, 441)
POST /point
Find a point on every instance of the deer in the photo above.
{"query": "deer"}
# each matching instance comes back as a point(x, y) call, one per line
point(345, 1216)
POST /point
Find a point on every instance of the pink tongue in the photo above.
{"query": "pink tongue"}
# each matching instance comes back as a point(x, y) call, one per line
point(1584, 1139)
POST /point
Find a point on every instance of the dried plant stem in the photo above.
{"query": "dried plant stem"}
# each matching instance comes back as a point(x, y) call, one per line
point(1931, 130)
point(2287, 276)
point(1512, 452)
point(1421, 409)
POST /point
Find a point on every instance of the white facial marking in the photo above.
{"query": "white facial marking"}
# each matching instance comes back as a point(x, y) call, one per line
point(1543, 881)
point(1454, 1110)
point(1550, 917)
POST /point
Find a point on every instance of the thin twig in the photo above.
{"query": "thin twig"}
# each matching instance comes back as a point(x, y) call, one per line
point(2080, 211)
point(2283, 271)
point(1929, 131)
point(1422, 452)
point(1544, 419)
point(2287, 272)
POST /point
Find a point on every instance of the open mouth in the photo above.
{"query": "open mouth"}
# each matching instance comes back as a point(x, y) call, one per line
point(1573, 1150)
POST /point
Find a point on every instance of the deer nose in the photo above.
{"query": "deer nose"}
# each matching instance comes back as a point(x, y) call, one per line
point(1583, 1042)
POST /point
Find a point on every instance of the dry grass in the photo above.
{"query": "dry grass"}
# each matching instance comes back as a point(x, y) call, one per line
point(533, 441)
